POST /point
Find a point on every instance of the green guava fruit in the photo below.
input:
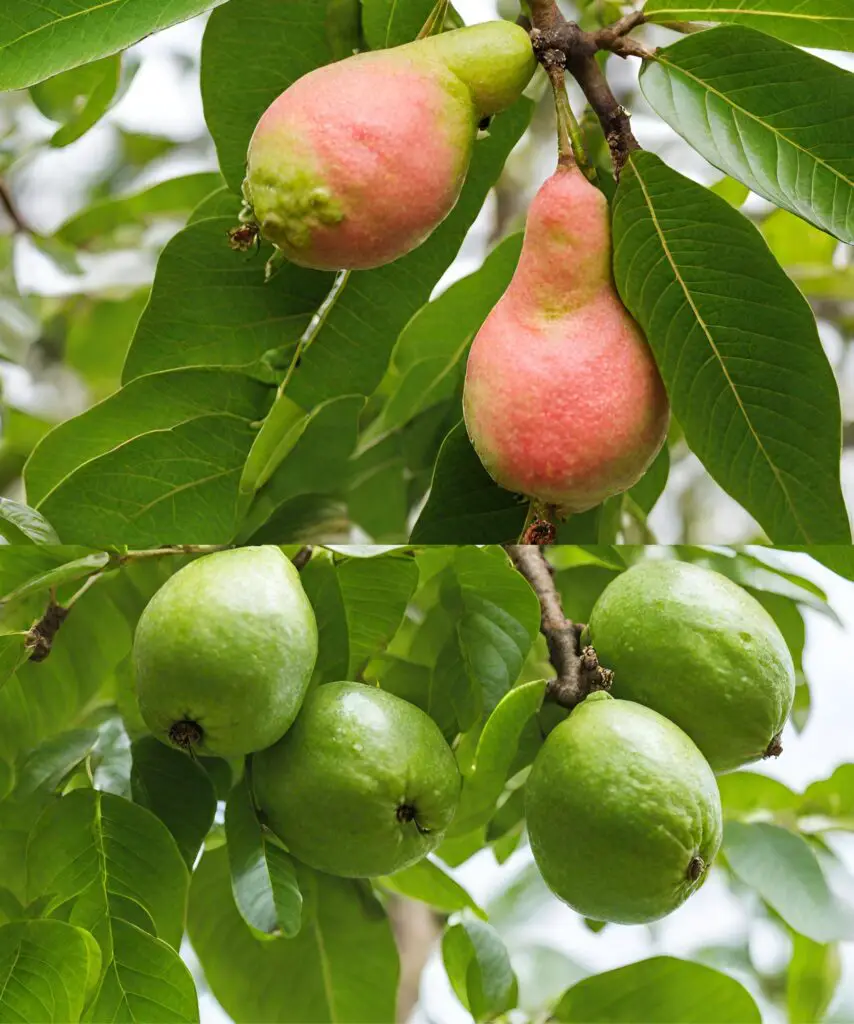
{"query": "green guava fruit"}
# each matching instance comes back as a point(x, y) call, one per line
point(623, 812)
point(224, 652)
point(363, 784)
point(694, 646)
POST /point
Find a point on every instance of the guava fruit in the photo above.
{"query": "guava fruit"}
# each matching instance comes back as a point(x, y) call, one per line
point(696, 647)
point(563, 401)
point(357, 162)
point(224, 652)
point(623, 812)
point(363, 784)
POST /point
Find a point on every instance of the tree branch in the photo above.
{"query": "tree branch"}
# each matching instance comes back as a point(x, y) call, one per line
point(578, 671)
point(556, 40)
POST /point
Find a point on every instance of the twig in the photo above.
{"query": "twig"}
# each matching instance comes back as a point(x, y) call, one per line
point(170, 549)
point(302, 557)
point(578, 671)
point(552, 34)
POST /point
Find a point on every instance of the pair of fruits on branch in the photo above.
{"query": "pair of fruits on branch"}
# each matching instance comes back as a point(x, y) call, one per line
point(622, 806)
point(356, 163)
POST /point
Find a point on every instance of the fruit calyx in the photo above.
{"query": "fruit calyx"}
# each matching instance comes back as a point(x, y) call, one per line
point(408, 812)
point(696, 867)
point(186, 734)
point(775, 747)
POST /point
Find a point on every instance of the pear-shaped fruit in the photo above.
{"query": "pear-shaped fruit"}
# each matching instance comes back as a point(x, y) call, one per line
point(563, 401)
point(623, 812)
point(224, 652)
point(357, 162)
point(694, 646)
point(363, 784)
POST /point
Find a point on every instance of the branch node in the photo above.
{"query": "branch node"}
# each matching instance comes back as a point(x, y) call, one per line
point(40, 636)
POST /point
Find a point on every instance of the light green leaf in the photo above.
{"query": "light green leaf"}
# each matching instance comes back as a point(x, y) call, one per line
point(746, 795)
point(45, 967)
point(342, 968)
point(479, 969)
point(47, 765)
point(767, 114)
point(734, 345)
point(786, 613)
point(283, 426)
point(77, 569)
point(177, 789)
point(813, 975)
point(263, 879)
point(78, 98)
point(662, 990)
point(783, 869)
point(465, 505)
point(151, 461)
point(37, 41)
point(118, 860)
point(831, 799)
point(429, 355)
point(98, 226)
point(392, 22)
point(20, 524)
point(496, 617)
point(484, 778)
point(320, 581)
point(821, 23)
point(429, 883)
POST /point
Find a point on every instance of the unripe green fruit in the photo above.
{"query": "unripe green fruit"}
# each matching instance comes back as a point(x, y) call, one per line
point(224, 652)
point(363, 784)
point(357, 162)
point(700, 650)
point(623, 812)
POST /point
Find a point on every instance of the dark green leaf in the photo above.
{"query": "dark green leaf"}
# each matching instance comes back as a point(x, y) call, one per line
point(37, 41)
point(175, 788)
point(479, 969)
point(783, 869)
point(735, 341)
point(320, 580)
point(48, 764)
point(392, 22)
point(70, 572)
point(822, 23)
point(427, 882)
point(341, 968)
point(78, 98)
point(767, 114)
point(263, 880)
point(465, 504)
point(662, 990)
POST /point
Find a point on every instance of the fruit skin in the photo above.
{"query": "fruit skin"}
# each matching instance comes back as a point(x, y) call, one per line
point(339, 788)
point(563, 401)
point(229, 642)
point(623, 812)
point(694, 646)
point(356, 163)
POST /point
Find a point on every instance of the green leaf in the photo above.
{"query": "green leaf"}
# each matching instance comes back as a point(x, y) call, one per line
point(767, 114)
point(282, 428)
point(341, 968)
point(783, 869)
point(78, 98)
point(465, 505)
point(20, 524)
point(496, 617)
point(99, 226)
point(145, 981)
point(177, 789)
point(484, 778)
point(70, 572)
point(392, 22)
point(828, 24)
point(320, 582)
point(45, 967)
point(263, 880)
point(662, 990)
point(735, 341)
point(211, 306)
point(838, 558)
point(352, 347)
point(154, 460)
point(431, 348)
point(37, 41)
point(47, 765)
point(646, 492)
point(813, 975)
point(748, 795)
point(429, 883)
point(832, 799)
point(786, 613)
point(479, 969)
point(376, 592)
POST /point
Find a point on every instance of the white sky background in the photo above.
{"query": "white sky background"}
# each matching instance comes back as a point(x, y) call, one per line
point(165, 99)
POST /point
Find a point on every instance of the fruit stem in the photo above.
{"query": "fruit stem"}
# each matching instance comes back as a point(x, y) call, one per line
point(570, 143)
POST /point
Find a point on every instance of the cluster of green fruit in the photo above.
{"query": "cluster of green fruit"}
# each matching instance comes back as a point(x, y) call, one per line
point(622, 806)
point(354, 780)
point(358, 162)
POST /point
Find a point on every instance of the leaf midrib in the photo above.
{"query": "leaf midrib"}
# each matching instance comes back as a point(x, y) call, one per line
point(749, 12)
point(704, 327)
point(58, 21)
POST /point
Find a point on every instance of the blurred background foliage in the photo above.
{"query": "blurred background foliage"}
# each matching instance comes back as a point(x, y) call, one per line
point(101, 165)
